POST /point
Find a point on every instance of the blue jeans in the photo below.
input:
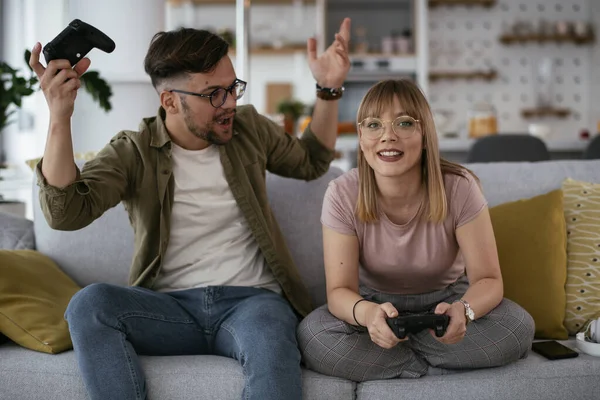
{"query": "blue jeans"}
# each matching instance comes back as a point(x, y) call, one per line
point(110, 325)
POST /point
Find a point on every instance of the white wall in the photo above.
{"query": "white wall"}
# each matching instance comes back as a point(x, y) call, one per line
point(134, 98)
point(131, 28)
point(28, 21)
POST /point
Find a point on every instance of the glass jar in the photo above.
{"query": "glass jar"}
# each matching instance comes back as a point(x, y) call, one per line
point(482, 120)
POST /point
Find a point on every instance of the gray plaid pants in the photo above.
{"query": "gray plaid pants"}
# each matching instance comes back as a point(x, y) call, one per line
point(333, 347)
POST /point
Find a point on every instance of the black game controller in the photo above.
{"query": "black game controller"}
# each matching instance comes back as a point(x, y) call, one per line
point(75, 41)
point(414, 323)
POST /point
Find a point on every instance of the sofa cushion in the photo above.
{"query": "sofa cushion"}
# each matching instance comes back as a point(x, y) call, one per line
point(34, 294)
point(30, 375)
point(530, 378)
point(15, 233)
point(582, 215)
point(531, 241)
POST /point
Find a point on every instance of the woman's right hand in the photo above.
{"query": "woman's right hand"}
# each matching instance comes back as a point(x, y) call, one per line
point(60, 89)
point(375, 320)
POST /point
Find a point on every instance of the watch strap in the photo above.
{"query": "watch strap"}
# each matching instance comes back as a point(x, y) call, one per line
point(329, 93)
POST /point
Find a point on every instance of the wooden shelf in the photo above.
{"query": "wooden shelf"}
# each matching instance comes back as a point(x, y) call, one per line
point(274, 51)
point(545, 112)
point(510, 39)
point(483, 3)
point(468, 75)
point(381, 55)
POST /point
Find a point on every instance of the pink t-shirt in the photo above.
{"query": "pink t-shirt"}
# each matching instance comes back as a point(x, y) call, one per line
point(414, 258)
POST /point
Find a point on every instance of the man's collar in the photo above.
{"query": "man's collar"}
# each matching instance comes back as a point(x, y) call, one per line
point(160, 135)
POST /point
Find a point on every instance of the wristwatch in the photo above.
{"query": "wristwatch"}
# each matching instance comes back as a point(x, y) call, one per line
point(329, 93)
point(469, 313)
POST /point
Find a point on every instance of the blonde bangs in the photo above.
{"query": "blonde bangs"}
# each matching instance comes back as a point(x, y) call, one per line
point(379, 98)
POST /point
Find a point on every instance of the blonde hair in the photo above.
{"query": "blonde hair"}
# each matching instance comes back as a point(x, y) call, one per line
point(433, 167)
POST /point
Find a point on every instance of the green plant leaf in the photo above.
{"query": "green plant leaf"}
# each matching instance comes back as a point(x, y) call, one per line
point(27, 56)
point(291, 107)
point(98, 88)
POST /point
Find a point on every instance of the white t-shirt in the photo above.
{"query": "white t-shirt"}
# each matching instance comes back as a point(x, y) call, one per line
point(211, 244)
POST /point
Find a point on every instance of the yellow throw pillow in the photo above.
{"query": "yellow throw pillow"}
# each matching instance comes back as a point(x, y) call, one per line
point(531, 240)
point(34, 294)
point(582, 213)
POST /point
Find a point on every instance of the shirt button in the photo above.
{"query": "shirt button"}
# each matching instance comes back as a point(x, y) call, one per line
point(165, 171)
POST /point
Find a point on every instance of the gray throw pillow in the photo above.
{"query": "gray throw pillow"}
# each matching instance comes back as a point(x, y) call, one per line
point(16, 233)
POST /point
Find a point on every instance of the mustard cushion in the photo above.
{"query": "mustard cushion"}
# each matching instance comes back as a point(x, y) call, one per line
point(531, 240)
point(582, 215)
point(34, 294)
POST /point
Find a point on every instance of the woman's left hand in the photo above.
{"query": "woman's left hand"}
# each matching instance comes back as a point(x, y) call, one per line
point(458, 322)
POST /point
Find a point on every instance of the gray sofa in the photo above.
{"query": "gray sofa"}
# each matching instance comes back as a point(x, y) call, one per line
point(102, 252)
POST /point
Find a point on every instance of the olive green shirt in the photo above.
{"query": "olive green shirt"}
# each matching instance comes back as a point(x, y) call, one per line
point(135, 168)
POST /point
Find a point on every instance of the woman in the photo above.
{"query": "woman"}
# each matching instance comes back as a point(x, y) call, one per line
point(399, 234)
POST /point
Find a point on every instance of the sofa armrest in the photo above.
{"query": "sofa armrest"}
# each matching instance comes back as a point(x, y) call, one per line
point(16, 233)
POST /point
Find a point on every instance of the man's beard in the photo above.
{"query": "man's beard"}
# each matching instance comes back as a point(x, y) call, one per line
point(209, 135)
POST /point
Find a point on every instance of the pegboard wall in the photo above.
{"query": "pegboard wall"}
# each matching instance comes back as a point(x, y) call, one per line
point(467, 38)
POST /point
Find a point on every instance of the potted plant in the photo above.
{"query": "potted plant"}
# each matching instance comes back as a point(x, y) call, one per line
point(292, 110)
point(14, 88)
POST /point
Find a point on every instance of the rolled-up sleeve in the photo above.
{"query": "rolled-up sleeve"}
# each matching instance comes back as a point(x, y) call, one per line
point(301, 158)
point(100, 185)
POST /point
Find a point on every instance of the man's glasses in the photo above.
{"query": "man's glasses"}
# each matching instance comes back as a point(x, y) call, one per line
point(403, 126)
point(219, 96)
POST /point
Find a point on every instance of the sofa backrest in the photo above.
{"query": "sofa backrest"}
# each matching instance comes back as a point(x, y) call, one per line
point(102, 251)
point(505, 181)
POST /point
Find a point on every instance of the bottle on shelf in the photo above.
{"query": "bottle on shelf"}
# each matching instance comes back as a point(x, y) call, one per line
point(482, 120)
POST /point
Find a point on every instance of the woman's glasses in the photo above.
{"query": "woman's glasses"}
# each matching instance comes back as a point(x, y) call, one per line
point(403, 126)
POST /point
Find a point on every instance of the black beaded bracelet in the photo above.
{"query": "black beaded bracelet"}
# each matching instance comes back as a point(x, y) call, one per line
point(354, 314)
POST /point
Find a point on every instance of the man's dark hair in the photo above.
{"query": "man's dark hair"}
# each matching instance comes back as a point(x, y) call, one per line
point(174, 54)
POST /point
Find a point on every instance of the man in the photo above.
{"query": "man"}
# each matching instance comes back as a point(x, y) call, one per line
point(211, 273)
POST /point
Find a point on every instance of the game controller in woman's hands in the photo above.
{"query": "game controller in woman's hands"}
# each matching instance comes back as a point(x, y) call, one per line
point(414, 323)
point(75, 41)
